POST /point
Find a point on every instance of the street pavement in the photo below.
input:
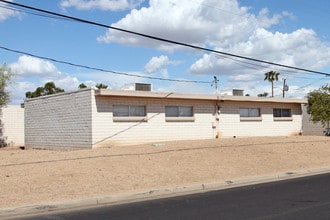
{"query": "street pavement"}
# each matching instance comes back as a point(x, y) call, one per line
point(299, 198)
point(130, 198)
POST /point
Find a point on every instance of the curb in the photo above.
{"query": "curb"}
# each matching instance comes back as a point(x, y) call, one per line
point(155, 194)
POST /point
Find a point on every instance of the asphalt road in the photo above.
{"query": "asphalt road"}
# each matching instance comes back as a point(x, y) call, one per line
point(303, 198)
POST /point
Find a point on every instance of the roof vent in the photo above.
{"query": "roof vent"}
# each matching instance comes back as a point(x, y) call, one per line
point(238, 92)
point(142, 87)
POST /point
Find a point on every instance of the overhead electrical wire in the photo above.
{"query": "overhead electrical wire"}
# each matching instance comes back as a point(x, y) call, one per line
point(32, 13)
point(164, 40)
point(102, 70)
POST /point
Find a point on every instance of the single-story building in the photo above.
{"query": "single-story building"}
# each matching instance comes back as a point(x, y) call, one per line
point(12, 125)
point(100, 117)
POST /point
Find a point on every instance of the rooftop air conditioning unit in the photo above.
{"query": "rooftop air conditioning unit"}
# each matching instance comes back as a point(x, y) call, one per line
point(142, 87)
point(238, 92)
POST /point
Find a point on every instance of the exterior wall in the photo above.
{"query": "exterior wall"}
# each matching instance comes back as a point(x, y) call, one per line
point(82, 119)
point(13, 125)
point(309, 127)
point(59, 121)
point(230, 124)
point(106, 131)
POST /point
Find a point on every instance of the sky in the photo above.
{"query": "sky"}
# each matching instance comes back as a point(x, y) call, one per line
point(39, 47)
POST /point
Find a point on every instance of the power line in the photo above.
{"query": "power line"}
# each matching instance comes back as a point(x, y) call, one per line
point(163, 39)
point(32, 13)
point(102, 70)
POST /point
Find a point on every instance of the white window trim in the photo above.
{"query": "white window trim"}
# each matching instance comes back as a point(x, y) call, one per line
point(180, 119)
point(283, 118)
point(130, 119)
point(251, 118)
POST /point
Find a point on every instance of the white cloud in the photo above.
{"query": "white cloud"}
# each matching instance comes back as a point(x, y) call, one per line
point(112, 5)
point(221, 25)
point(18, 89)
point(158, 63)
point(301, 48)
point(31, 66)
point(224, 26)
point(31, 72)
point(5, 13)
point(267, 21)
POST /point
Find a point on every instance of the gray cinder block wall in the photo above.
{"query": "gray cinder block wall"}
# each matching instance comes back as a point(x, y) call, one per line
point(59, 121)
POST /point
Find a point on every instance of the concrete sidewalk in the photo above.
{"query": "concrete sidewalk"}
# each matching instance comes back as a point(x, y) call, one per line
point(9, 213)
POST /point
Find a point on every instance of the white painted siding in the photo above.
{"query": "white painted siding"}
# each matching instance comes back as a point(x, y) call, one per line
point(83, 119)
point(156, 128)
point(13, 125)
point(59, 121)
point(230, 124)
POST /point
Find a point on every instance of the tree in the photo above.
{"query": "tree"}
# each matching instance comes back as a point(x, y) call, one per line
point(48, 89)
point(272, 76)
point(101, 86)
point(82, 86)
point(318, 106)
point(5, 79)
point(265, 94)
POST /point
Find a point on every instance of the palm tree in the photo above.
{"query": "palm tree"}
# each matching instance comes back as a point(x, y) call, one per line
point(271, 76)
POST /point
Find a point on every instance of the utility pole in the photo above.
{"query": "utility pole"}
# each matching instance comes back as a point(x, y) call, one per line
point(215, 83)
point(285, 87)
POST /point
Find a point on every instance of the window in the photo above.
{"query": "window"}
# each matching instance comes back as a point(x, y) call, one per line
point(279, 112)
point(179, 113)
point(134, 112)
point(249, 112)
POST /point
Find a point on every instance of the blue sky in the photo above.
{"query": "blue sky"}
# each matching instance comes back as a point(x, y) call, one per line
point(294, 33)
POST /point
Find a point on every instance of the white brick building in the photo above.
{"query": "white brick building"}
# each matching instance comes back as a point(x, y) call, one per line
point(88, 118)
point(12, 119)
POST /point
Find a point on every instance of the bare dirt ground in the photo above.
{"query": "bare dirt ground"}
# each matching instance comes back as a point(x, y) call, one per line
point(42, 176)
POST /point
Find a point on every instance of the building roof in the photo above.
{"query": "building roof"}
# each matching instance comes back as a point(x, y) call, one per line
point(172, 95)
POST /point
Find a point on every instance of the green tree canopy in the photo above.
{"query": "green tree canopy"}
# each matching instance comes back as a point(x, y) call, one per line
point(272, 76)
point(101, 86)
point(319, 105)
point(82, 86)
point(48, 89)
point(5, 79)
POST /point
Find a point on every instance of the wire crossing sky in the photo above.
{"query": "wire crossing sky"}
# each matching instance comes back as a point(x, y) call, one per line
point(162, 39)
point(178, 46)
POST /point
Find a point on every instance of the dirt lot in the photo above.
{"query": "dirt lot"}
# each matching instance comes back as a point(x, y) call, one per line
point(42, 176)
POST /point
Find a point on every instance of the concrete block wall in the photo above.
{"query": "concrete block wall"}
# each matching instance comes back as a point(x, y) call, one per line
point(13, 125)
point(59, 121)
point(82, 120)
point(231, 125)
point(156, 128)
point(309, 127)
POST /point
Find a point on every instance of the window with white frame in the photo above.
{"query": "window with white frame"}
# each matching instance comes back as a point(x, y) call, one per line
point(281, 113)
point(249, 112)
point(129, 110)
